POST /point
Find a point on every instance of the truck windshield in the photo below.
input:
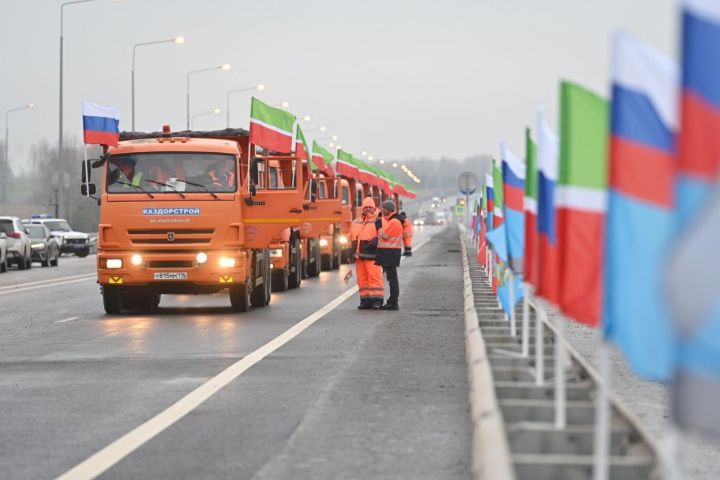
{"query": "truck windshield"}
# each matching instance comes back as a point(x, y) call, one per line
point(172, 172)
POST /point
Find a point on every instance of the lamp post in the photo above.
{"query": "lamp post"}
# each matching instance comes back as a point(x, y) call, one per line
point(259, 87)
point(179, 40)
point(6, 165)
point(214, 111)
point(224, 67)
point(60, 126)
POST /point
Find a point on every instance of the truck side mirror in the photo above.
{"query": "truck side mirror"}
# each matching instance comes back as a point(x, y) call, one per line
point(87, 189)
point(86, 170)
point(254, 171)
point(253, 189)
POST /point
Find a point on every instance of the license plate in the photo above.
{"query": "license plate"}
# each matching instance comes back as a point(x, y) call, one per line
point(171, 276)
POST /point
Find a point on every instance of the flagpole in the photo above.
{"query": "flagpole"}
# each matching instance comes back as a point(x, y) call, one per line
point(539, 347)
point(513, 326)
point(560, 387)
point(87, 172)
point(602, 429)
point(526, 321)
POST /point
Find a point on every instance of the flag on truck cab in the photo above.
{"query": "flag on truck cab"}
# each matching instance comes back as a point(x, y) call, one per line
point(101, 124)
point(345, 164)
point(270, 127)
point(548, 285)
point(320, 156)
point(581, 198)
point(301, 147)
point(693, 285)
point(699, 141)
point(640, 217)
point(513, 174)
point(530, 205)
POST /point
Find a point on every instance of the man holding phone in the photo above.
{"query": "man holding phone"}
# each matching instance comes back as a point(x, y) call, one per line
point(389, 250)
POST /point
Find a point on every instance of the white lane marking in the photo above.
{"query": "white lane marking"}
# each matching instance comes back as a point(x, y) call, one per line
point(102, 460)
point(17, 290)
point(66, 320)
point(51, 280)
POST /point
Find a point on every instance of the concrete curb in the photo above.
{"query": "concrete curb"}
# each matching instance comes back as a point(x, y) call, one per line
point(491, 457)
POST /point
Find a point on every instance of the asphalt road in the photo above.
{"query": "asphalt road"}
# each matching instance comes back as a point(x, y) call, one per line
point(356, 394)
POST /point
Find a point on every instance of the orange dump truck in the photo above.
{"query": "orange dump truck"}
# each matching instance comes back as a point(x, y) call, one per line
point(191, 212)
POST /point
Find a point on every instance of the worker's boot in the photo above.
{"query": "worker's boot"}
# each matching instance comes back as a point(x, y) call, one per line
point(390, 306)
point(376, 305)
point(364, 305)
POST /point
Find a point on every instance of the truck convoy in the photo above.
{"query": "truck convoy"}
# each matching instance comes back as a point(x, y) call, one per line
point(204, 211)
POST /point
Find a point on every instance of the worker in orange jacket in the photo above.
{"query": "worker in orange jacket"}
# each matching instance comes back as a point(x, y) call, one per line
point(389, 250)
point(407, 234)
point(364, 235)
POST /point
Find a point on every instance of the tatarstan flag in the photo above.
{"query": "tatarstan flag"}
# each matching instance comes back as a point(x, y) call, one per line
point(320, 156)
point(530, 259)
point(582, 201)
point(301, 147)
point(498, 217)
point(270, 127)
point(346, 165)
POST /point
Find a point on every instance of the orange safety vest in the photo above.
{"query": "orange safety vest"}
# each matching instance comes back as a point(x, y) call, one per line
point(363, 229)
point(407, 232)
point(391, 234)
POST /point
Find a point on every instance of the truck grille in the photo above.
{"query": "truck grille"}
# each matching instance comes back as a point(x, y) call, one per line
point(169, 236)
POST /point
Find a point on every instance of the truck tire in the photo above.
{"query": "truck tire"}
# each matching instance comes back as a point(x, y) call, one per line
point(112, 300)
point(295, 278)
point(326, 262)
point(314, 252)
point(280, 280)
point(240, 297)
point(261, 293)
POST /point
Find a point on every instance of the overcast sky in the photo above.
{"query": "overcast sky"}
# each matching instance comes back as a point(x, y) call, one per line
point(398, 78)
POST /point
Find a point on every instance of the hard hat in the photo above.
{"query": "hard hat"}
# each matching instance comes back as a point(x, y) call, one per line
point(368, 202)
point(388, 205)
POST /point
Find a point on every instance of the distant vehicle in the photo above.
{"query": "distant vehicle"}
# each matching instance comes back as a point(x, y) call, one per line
point(435, 202)
point(418, 221)
point(19, 250)
point(437, 218)
point(69, 240)
point(3, 252)
point(45, 248)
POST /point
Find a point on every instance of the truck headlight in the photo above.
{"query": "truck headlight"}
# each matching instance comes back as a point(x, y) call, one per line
point(343, 240)
point(113, 263)
point(136, 259)
point(227, 262)
point(201, 257)
point(276, 252)
point(324, 242)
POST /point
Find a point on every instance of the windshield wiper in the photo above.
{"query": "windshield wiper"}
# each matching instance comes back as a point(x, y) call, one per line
point(165, 185)
point(201, 186)
point(135, 186)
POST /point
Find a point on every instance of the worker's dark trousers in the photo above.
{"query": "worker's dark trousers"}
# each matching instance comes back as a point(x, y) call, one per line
point(392, 278)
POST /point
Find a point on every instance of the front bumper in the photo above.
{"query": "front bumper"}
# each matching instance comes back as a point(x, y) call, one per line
point(190, 277)
point(75, 248)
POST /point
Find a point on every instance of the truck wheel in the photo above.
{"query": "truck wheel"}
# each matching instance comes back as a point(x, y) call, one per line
point(279, 280)
point(112, 300)
point(295, 278)
point(326, 262)
point(240, 297)
point(314, 267)
point(261, 293)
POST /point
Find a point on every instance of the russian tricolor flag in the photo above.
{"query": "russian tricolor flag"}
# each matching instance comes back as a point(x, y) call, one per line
point(101, 124)
point(640, 215)
point(699, 141)
point(513, 174)
point(549, 259)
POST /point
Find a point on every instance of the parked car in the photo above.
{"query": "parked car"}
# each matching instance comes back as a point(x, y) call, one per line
point(69, 240)
point(45, 247)
point(19, 250)
point(3, 252)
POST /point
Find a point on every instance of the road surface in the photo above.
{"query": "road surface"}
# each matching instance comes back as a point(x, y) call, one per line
point(355, 394)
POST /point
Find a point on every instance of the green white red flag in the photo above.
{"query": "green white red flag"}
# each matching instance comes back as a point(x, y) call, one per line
point(581, 201)
point(301, 147)
point(323, 159)
point(270, 127)
point(346, 165)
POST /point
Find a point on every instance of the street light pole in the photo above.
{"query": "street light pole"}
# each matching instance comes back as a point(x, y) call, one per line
point(259, 87)
point(6, 165)
point(179, 40)
point(224, 67)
